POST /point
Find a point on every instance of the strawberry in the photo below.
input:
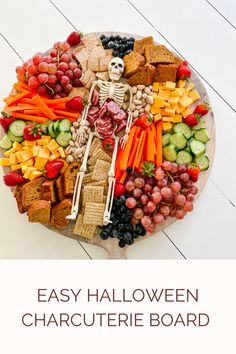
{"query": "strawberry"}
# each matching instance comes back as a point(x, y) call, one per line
point(32, 132)
point(119, 190)
point(202, 108)
point(144, 120)
point(192, 119)
point(53, 168)
point(183, 72)
point(74, 38)
point(108, 144)
point(5, 121)
point(13, 178)
point(77, 104)
point(193, 172)
point(146, 168)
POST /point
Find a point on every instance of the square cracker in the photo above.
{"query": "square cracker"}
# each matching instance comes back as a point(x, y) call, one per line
point(98, 52)
point(99, 155)
point(84, 230)
point(100, 171)
point(93, 63)
point(87, 178)
point(93, 194)
point(91, 41)
point(102, 75)
point(103, 63)
point(93, 213)
point(95, 145)
point(102, 183)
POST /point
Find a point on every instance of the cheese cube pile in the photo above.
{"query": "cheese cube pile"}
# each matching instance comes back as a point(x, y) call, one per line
point(31, 156)
point(172, 102)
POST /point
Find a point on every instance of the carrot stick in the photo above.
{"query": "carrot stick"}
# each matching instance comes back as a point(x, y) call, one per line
point(29, 117)
point(123, 177)
point(136, 159)
point(43, 107)
point(33, 111)
point(27, 100)
point(159, 158)
point(128, 146)
point(61, 106)
point(31, 106)
point(153, 129)
point(140, 155)
point(151, 146)
point(17, 98)
point(20, 88)
point(18, 108)
point(67, 114)
point(132, 155)
point(52, 102)
point(23, 85)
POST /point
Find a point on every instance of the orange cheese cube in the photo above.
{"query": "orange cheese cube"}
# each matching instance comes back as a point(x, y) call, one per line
point(194, 95)
point(167, 126)
point(16, 147)
point(18, 156)
point(166, 105)
point(23, 168)
point(185, 101)
point(5, 161)
point(157, 117)
point(168, 119)
point(161, 93)
point(169, 112)
point(44, 154)
point(158, 102)
point(27, 148)
point(181, 83)
point(52, 145)
point(177, 118)
point(155, 86)
point(173, 101)
point(16, 167)
point(13, 159)
point(29, 163)
point(46, 150)
point(170, 85)
point(42, 142)
point(30, 143)
point(54, 156)
point(155, 110)
point(177, 93)
point(40, 163)
point(189, 87)
point(28, 172)
point(180, 110)
point(48, 137)
point(35, 174)
point(62, 152)
point(154, 95)
point(26, 156)
point(186, 112)
point(36, 150)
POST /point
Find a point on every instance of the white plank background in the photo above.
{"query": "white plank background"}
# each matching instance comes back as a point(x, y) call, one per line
point(201, 31)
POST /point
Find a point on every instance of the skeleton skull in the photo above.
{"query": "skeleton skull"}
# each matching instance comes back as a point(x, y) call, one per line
point(116, 68)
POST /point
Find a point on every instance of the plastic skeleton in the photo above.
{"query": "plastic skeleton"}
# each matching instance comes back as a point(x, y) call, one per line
point(116, 91)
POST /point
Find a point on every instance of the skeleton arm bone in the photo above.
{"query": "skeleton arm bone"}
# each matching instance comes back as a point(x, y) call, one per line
point(129, 120)
point(85, 112)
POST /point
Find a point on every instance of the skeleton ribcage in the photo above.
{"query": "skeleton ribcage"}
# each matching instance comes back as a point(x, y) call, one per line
point(111, 90)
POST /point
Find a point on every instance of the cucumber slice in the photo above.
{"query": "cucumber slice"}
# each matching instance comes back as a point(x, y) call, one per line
point(45, 126)
point(184, 129)
point(202, 135)
point(51, 130)
point(166, 139)
point(197, 148)
point(203, 162)
point(65, 125)
point(184, 158)
point(63, 138)
point(170, 153)
point(56, 127)
point(14, 138)
point(5, 143)
point(178, 139)
point(17, 127)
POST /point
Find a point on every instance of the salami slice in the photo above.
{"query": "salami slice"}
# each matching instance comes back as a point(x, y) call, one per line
point(103, 110)
point(121, 115)
point(93, 110)
point(95, 98)
point(121, 126)
point(91, 119)
point(113, 107)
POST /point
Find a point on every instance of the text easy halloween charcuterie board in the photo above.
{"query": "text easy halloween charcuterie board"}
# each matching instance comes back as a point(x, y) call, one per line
point(108, 139)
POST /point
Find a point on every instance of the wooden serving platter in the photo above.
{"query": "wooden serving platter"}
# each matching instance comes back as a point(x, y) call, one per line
point(111, 244)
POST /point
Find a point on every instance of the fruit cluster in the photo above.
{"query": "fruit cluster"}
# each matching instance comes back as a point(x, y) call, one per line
point(168, 191)
point(54, 74)
point(121, 45)
point(121, 227)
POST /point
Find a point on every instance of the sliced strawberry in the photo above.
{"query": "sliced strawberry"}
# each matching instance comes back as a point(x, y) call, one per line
point(13, 178)
point(53, 168)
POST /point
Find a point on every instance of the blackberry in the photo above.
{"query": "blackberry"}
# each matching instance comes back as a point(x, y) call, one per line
point(122, 243)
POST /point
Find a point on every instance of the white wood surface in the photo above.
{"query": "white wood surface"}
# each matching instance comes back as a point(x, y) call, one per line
point(207, 41)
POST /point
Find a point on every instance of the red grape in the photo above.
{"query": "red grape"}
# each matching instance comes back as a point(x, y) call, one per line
point(134, 221)
point(156, 197)
point(53, 53)
point(190, 198)
point(32, 69)
point(138, 213)
point(179, 214)
point(77, 73)
point(156, 189)
point(69, 73)
point(151, 228)
point(174, 167)
point(52, 79)
point(130, 203)
point(166, 166)
point(73, 65)
point(77, 83)
point(47, 59)
point(42, 90)
point(164, 210)
point(65, 47)
point(59, 74)
point(129, 186)
point(151, 206)
point(58, 88)
point(146, 221)
point(188, 206)
point(65, 58)
point(189, 184)
point(130, 178)
point(151, 181)
point(37, 58)
point(158, 218)
point(52, 68)
point(180, 199)
point(175, 186)
point(182, 168)
point(144, 199)
point(137, 193)
point(33, 82)
point(64, 80)
point(43, 67)
point(147, 188)
point(139, 182)
point(68, 88)
point(193, 190)
point(184, 177)
point(57, 45)
point(163, 183)
point(159, 174)
point(43, 78)
point(63, 66)
point(166, 193)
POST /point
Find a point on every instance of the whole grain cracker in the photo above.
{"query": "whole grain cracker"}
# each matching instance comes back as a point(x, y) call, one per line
point(87, 178)
point(93, 213)
point(99, 183)
point(100, 171)
point(95, 144)
point(93, 194)
point(84, 230)
point(99, 154)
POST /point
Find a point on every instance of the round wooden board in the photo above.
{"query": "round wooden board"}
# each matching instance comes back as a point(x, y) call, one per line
point(111, 245)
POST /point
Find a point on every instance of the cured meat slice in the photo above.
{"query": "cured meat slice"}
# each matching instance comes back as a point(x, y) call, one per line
point(93, 110)
point(113, 107)
point(103, 110)
point(121, 126)
point(95, 98)
point(92, 119)
point(121, 115)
